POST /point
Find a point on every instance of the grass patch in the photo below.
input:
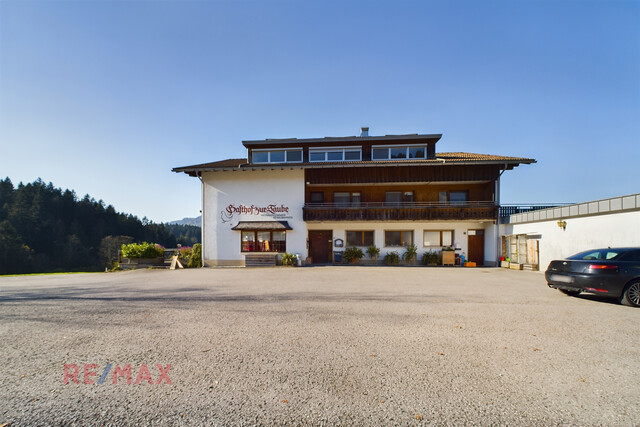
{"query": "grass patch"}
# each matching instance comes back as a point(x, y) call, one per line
point(50, 274)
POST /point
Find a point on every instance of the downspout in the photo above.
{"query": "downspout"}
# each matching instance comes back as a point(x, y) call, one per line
point(497, 202)
point(199, 175)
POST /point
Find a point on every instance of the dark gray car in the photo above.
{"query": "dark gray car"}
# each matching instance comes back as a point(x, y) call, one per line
point(613, 272)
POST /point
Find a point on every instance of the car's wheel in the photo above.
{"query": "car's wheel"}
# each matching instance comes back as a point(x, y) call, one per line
point(570, 293)
point(631, 294)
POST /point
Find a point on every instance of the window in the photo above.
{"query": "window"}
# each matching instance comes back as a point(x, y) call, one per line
point(603, 254)
point(335, 154)
point(277, 156)
point(342, 199)
point(263, 241)
point(359, 238)
point(355, 199)
point(317, 197)
point(394, 152)
point(260, 156)
point(393, 197)
point(294, 155)
point(438, 238)
point(398, 238)
point(408, 196)
point(457, 197)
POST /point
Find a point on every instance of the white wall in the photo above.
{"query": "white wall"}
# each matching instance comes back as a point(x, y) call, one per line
point(459, 234)
point(250, 188)
point(582, 233)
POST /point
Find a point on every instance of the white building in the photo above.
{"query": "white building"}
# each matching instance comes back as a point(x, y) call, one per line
point(315, 197)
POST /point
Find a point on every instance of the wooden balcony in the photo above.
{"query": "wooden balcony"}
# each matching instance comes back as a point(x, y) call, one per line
point(413, 211)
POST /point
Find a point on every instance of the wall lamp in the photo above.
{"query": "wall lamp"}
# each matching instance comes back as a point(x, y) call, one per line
point(562, 224)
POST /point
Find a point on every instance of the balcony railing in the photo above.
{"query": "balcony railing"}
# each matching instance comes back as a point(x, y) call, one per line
point(406, 211)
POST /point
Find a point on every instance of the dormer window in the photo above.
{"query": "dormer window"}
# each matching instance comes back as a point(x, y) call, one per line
point(335, 154)
point(396, 152)
point(293, 155)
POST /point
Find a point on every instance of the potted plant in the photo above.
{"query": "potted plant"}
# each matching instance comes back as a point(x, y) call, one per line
point(430, 258)
point(392, 258)
point(410, 254)
point(288, 259)
point(373, 252)
point(143, 253)
point(352, 255)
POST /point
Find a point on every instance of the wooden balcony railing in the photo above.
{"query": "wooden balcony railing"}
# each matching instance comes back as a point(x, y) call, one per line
point(408, 211)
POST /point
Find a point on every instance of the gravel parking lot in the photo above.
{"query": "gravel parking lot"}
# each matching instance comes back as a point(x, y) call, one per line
point(316, 346)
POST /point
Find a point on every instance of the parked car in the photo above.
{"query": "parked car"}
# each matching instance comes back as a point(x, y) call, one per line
point(613, 272)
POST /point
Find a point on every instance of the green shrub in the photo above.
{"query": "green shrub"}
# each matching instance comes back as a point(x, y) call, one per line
point(142, 250)
point(430, 257)
point(185, 252)
point(392, 258)
point(352, 254)
point(411, 253)
point(373, 251)
point(288, 259)
point(195, 261)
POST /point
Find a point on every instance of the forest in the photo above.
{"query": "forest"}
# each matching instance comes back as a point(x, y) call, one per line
point(46, 229)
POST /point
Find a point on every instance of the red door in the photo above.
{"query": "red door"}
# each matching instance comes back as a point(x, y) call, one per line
point(320, 246)
point(475, 240)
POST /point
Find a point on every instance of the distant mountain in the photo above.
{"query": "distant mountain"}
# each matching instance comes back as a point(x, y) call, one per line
point(188, 221)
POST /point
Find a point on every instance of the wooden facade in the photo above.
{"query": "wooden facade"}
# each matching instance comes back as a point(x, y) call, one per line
point(366, 143)
point(424, 191)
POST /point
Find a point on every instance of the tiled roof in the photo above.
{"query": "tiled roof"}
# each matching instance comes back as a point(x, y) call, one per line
point(441, 158)
point(228, 163)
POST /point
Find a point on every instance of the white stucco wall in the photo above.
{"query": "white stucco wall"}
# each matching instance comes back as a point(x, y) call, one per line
point(459, 232)
point(259, 188)
point(582, 233)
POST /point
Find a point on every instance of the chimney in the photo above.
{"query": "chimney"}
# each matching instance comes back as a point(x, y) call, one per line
point(364, 131)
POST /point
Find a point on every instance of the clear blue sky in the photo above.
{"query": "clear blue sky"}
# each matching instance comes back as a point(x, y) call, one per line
point(105, 97)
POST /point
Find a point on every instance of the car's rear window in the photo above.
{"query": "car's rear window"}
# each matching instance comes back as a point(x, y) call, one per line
point(599, 254)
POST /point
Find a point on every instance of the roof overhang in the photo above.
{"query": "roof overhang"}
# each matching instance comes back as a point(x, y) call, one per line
point(196, 170)
point(435, 137)
point(262, 225)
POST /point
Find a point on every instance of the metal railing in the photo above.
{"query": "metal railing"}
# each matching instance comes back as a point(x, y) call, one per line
point(596, 207)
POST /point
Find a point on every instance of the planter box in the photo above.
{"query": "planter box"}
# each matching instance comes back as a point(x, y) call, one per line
point(469, 264)
point(515, 266)
point(504, 264)
point(143, 261)
point(448, 258)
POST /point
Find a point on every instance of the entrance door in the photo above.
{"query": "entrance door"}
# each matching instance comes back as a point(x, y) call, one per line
point(320, 243)
point(476, 246)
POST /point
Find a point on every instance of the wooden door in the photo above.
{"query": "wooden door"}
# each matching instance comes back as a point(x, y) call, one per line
point(476, 246)
point(320, 243)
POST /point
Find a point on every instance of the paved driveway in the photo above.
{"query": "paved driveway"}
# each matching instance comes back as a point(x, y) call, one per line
point(314, 346)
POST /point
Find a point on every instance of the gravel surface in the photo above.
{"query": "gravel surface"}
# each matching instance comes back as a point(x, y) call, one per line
point(316, 346)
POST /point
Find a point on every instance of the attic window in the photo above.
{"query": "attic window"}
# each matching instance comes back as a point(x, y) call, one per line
point(396, 152)
point(335, 154)
point(277, 156)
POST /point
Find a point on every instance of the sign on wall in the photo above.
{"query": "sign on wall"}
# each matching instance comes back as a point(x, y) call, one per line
point(273, 210)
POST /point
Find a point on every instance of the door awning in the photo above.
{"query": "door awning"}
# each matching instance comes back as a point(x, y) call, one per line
point(262, 225)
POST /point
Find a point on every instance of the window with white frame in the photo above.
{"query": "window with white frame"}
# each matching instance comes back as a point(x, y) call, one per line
point(438, 238)
point(335, 154)
point(396, 152)
point(292, 155)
